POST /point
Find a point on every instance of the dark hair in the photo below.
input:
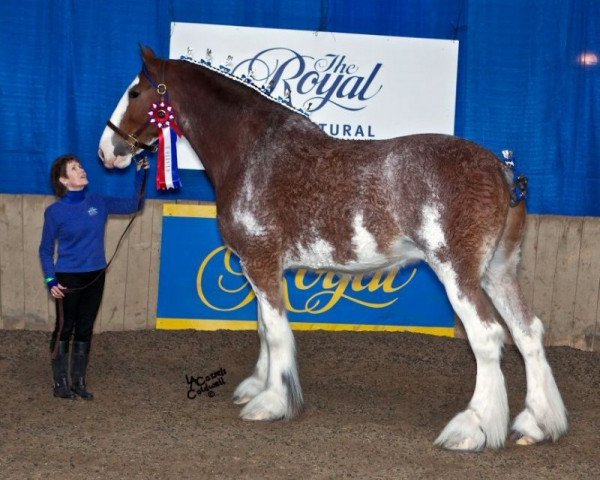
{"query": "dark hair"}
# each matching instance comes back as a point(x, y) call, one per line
point(59, 169)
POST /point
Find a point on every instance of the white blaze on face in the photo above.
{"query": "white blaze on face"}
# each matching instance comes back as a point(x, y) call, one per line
point(106, 149)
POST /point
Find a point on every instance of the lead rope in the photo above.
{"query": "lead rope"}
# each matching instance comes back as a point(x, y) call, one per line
point(59, 301)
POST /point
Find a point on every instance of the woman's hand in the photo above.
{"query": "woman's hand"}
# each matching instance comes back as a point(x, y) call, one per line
point(57, 291)
point(142, 163)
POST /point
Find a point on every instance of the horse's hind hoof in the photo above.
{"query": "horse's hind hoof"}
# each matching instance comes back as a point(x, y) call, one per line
point(527, 430)
point(522, 439)
point(526, 440)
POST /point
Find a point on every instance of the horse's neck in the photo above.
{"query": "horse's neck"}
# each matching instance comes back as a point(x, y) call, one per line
point(220, 128)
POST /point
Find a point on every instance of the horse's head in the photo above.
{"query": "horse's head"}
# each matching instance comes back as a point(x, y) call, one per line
point(128, 131)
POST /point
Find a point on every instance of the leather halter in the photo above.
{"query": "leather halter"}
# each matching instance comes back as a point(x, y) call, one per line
point(131, 138)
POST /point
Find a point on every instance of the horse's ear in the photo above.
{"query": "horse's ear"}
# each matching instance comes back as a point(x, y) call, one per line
point(147, 53)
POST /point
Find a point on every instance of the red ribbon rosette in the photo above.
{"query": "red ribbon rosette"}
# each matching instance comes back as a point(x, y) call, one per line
point(163, 116)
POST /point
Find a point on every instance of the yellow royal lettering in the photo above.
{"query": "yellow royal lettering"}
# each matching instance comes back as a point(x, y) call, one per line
point(301, 275)
point(333, 287)
point(228, 268)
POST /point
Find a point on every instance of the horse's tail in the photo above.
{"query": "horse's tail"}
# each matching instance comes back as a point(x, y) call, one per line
point(517, 183)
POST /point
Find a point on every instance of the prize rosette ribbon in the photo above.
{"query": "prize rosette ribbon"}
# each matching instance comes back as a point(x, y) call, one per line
point(163, 116)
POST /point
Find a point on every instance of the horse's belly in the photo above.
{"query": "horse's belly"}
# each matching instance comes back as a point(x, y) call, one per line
point(321, 255)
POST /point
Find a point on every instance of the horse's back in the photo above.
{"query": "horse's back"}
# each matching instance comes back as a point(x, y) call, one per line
point(395, 178)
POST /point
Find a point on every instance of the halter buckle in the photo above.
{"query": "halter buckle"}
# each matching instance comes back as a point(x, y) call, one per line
point(161, 89)
point(133, 142)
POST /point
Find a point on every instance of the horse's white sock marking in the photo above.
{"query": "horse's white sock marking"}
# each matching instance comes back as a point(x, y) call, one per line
point(543, 401)
point(544, 416)
point(255, 383)
point(283, 396)
point(485, 421)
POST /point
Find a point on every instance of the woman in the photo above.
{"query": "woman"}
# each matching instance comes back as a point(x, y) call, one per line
point(77, 223)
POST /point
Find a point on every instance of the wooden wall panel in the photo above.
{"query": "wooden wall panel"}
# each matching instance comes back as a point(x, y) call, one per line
point(4, 201)
point(550, 230)
point(528, 257)
point(588, 285)
point(156, 236)
point(12, 291)
point(112, 311)
point(559, 272)
point(595, 343)
point(3, 225)
point(36, 293)
point(562, 309)
point(138, 271)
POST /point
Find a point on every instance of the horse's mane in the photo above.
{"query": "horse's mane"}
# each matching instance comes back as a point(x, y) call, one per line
point(248, 83)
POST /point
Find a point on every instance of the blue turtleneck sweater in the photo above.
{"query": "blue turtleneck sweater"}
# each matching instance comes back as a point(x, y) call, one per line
point(77, 221)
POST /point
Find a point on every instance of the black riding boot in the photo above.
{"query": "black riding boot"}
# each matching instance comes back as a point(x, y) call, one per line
point(60, 366)
point(79, 361)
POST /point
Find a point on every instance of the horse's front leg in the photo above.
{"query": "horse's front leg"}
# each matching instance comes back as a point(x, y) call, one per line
point(257, 382)
point(282, 395)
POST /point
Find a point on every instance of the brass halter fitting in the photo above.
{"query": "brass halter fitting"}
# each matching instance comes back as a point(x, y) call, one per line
point(133, 142)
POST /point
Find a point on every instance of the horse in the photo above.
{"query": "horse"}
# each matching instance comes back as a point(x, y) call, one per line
point(289, 196)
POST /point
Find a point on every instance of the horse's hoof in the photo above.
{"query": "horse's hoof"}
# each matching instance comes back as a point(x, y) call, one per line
point(267, 406)
point(241, 400)
point(526, 440)
point(523, 439)
point(465, 445)
point(259, 416)
point(247, 390)
point(529, 430)
point(464, 433)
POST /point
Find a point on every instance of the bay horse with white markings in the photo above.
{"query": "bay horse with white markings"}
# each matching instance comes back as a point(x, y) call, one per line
point(289, 196)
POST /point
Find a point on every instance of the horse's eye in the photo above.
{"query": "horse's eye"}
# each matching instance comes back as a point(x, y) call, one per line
point(133, 94)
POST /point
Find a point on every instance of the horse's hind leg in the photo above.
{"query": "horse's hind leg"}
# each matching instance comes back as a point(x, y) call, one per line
point(484, 423)
point(282, 395)
point(257, 382)
point(544, 416)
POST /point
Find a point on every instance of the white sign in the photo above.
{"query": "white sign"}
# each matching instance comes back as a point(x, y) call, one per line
point(353, 86)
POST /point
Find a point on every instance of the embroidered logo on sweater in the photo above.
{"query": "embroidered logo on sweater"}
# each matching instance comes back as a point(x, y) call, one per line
point(92, 211)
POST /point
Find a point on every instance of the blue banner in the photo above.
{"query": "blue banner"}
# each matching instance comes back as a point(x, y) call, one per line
point(201, 286)
point(528, 79)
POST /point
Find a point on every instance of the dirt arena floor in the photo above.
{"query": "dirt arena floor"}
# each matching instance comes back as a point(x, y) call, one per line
point(374, 404)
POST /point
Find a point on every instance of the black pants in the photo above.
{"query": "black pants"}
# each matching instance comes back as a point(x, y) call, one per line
point(81, 306)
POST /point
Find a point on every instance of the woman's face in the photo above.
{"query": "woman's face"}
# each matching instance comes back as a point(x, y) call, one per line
point(76, 178)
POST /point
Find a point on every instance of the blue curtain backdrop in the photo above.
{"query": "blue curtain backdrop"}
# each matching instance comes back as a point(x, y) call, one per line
point(65, 63)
